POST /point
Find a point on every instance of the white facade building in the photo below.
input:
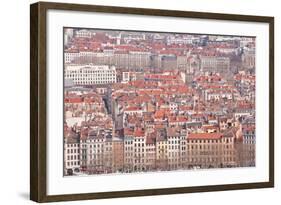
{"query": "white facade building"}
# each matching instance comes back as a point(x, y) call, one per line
point(70, 56)
point(84, 33)
point(95, 154)
point(214, 64)
point(125, 77)
point(128, 152)
point(90, 74)
point(71, 155)
point(139, 153)
point(176, 148)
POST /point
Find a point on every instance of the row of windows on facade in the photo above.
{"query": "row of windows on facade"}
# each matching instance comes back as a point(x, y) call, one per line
point(86, 74)
point(217, 159)
point(107, 77)
point(249, 142)
point(193, 159)
point(212, 146)
point(250, 137)
point(190, 147)
point(170, 154)
point(190, 141)
point(80, 78)
point(93, 82)
point(90, 71)
point(218, 153)
point(73, 157)
point(172, 142)
point(73, 163)
point(73, 145)
point(169, 142)
point(73, 151)
point(207, 141)
point(117, 58)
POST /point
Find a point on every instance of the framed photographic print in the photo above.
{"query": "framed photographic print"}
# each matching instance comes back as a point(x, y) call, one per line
point(133, 102)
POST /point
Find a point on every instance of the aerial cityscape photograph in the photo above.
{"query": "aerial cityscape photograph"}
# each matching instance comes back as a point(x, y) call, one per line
point(143, 101)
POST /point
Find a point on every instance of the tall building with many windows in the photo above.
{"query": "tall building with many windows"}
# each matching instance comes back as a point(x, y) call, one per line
point(208, 150)
point(84, 33)
point(214, 64)
point(71, 152)
point(118, 154)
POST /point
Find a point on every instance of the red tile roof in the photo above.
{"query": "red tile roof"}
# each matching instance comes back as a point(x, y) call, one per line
point(73, 100)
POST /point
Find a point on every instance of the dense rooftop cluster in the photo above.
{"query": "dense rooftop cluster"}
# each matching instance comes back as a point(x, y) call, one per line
point(139, 102)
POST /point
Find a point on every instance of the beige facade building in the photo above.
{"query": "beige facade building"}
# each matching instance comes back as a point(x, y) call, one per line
point(249, 58)
point(161, 152)
point(95, 152)
point(214, 64)
point(139, 151)
point(128, 151)
point(108, 154)
point(176, 141)
point(209, 150)
point(71, 152)
point(150, 153)
point(117, 154)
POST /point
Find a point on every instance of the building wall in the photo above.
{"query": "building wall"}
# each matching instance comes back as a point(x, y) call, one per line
point(139, 154)
point(90, 74)
point(71, 155)
point(118, 155)
point(108, 155)
point(214, 64)
point(95, 155)
point(83, 155)
point(210, 153)
point(150, 156)
point(162, 154)
point(128, 153)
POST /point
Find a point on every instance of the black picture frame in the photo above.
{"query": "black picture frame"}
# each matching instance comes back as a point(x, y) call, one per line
point(38, 102)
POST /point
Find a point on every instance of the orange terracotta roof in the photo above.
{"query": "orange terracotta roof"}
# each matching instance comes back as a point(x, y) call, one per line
point(204, 136)
point(133, 108)
point(139, 133)
point(73, 100)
